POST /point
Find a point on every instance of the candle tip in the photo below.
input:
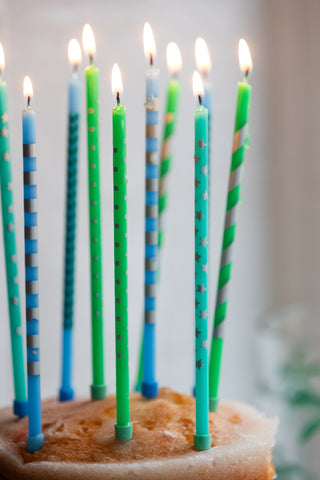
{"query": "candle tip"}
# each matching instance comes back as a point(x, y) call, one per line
point(74, 53)
point(2, 58)
point(27, 88)
point(88, 41)
point(203, 59)
point(197, 85)
point(149, 42)
point(116, 83)
point(245, 60)
point(174, 60)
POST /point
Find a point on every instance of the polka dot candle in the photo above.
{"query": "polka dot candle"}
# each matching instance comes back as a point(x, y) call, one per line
point(123, 427)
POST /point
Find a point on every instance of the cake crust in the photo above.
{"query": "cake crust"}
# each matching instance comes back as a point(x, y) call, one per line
point(80, 443)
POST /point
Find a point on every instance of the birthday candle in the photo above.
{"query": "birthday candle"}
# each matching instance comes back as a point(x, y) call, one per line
point(98, 387)
point(149, 387)
point(203, 62)
point(240, 143)
point(20, 395)
point(202, 438)
point(174, 62)
point(123, 427)
point(74, 54)
point(35, 437)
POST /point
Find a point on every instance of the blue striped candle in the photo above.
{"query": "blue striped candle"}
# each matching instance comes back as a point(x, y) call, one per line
point(35, 437)
point(149, 386)
point(74, 107)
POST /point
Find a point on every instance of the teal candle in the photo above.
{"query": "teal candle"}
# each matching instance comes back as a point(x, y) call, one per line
point(202, 438)
point(8, 222)
point(240, 142)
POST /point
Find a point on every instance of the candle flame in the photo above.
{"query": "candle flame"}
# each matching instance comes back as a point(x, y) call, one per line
point(197, 84)
point(74, 52)
point(27, 87)
point(88, 40)
point(148, 39)
point(203, 59)
point(116, 82)
point(174, 59)
point(2, 58)
point(245, 60)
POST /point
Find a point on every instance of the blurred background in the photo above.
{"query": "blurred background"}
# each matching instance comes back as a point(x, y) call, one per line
point(275, 256)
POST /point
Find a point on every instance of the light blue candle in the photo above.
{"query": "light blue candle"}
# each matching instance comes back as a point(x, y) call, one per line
point(74, 107)
point(35, 437)
point(149, 386)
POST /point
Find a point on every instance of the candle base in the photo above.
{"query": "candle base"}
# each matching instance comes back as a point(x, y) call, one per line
point(149, 389)
point(98, 392)
point(20, 408)
point(213, 404)
point(35, 442)
point(202, 442)
point(123, 432)
point(66, 394)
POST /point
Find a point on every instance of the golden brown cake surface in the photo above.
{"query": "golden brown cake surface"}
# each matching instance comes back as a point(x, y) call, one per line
point(79, 441)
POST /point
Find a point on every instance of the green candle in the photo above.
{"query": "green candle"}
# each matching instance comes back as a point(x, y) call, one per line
point(123, 427)
point(240, 142)
point(174, 62)
point(98, 387)
point(18, 362)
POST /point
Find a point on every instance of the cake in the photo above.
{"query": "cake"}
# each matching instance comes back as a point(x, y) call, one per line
point(80, 442)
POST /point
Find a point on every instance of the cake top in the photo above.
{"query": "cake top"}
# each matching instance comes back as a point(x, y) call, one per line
point(83, 431)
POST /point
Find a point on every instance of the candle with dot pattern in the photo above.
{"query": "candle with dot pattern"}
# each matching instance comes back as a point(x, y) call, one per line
point(123, 427)
point(18, 362)
point(98, 387)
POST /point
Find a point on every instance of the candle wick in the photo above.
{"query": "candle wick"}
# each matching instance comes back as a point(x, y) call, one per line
point(28, 100)
point(118, 98)
point(246, 73)
point(91, 58)
point(75, 67)
point(200, 99)
point(151, 59)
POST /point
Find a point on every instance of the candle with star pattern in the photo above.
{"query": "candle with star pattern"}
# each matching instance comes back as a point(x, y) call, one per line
point(35, 437)
point(8, 225)
point(202, 438)
point(240, 143)
point(98, 387)
point(123, 427)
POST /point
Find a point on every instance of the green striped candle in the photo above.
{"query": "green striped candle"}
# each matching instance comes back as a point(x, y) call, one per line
point(123, 427)
point(174, 62)
point(240, 142)
point(98, 387)
point(17, 353)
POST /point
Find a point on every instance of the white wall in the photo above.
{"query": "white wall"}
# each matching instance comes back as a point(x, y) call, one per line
point(35, 36)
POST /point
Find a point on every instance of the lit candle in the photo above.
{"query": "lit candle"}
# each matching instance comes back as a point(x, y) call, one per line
point(8, 225)
point(203, 62)
point(149, 387)
point(174, 62)
point(74, 107)
point(35, 437)
point(202, 438)
point(240, 143)
point(98, 387)
point(123, 427)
